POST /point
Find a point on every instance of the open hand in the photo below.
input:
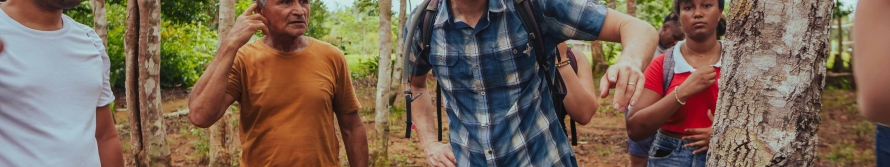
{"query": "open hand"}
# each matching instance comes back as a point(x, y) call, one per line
point(701, 137)
point(245, 26)
point(439, 155)
point(627, 80)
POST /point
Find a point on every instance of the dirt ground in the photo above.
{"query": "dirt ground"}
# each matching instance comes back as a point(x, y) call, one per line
point(846, 138)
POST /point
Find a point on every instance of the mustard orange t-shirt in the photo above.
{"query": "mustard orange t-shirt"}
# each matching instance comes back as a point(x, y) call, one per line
point(288, 101)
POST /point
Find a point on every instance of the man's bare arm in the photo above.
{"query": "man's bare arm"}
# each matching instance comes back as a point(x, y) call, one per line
point(110, 153)
point(354, 138)
point(871, 55)
point(638, 39)
point(438, 154)
point(209, 100)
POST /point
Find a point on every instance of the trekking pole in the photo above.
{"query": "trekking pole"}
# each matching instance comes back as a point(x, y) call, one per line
point(408, 100)
point(439, 107)
point(408, 45)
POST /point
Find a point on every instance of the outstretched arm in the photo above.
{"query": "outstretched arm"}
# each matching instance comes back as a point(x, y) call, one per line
point(638, 39)
point(871, 54)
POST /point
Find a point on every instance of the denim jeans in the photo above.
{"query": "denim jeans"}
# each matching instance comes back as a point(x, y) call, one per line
point(882, 145)
point(669, 151)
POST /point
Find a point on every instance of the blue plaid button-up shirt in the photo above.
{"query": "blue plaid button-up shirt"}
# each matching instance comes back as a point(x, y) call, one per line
point(498, 102)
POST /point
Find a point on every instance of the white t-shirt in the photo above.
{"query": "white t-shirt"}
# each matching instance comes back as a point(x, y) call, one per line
point(50, 85)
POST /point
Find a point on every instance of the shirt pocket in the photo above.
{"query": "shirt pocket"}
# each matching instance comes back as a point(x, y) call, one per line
point(517, 51)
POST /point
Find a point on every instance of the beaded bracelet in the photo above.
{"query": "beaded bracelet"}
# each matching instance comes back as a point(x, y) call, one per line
point(678, 96)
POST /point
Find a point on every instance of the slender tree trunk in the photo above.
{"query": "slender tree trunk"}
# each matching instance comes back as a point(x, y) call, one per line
point(100, 21)
point(771, 85)
point(384, 76)
point(221, 132)
point(839, 57)
point(149, 135)
point(396, 81)
point(599, 61)
point(632, 8)
point(131, 47)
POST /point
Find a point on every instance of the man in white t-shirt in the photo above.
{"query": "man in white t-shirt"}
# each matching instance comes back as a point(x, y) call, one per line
point(54, 89)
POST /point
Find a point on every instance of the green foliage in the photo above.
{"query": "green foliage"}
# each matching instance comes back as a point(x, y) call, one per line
point(863, 128)
point(318, 15)
point(366, 68)
point(367, 7)
point(201, 145)
point(354, 32)
point(82, 13)
point(190, 11)
point(842, 154)
point(186, 46)
point(654, 11)
point(185, 51)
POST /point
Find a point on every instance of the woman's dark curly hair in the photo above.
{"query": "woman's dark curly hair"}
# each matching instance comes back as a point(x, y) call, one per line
point(721, 25)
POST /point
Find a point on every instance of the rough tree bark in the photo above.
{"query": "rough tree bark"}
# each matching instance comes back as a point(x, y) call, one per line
point(222, 131)
point(380, 156)
point(396, 81)
point(148, 134)
point(100, 21)
point(770, 89)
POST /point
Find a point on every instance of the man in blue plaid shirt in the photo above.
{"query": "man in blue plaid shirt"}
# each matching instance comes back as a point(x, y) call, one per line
point(497, 100)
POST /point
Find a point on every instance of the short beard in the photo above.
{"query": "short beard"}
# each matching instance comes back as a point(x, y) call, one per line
point(56, 5)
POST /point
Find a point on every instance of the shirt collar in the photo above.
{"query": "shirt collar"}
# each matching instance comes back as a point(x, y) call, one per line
point(494, 6)
point(680, 64)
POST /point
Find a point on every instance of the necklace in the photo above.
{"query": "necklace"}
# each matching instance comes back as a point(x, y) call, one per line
point(699, 55)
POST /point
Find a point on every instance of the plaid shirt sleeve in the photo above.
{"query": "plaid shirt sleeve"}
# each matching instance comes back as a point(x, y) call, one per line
point(572, 19)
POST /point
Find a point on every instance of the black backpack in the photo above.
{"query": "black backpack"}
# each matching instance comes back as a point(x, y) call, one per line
point(425, 20)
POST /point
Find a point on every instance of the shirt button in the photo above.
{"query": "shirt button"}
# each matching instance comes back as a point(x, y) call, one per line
point(485, 124)
point(440, 58)
point(490, 153)
point(483, 93)
point(477, 66)
point(515, 51)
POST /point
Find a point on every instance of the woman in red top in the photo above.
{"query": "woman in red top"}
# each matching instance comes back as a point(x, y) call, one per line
point(682, 115)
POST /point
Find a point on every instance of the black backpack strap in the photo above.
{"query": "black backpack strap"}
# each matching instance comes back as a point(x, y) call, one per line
point(525, 11)
point(668, 67)
point(424, 21)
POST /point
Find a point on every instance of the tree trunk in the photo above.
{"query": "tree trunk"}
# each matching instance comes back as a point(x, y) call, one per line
point(611, 4)
point(384, 76)
point(771, 86)
point(221, 132)
point(599, 61)
point(839, 57)
point(100, 21)
point(632, 8)
point(148, 134)
point(397, 67)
